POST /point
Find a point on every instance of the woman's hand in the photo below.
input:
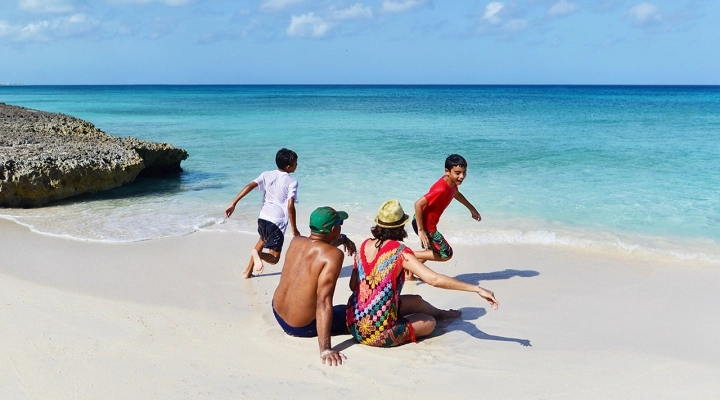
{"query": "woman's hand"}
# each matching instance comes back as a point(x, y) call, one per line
point(489, 296)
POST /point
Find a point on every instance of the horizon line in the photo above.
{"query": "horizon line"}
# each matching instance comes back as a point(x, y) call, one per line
point(2, 84)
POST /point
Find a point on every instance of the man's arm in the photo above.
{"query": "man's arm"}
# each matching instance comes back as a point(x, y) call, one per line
point(324, 309)
point(350, 250)
point(473, 212)
point(348, 244)
point(419, 204)
point(292, 217)
point(247, 189)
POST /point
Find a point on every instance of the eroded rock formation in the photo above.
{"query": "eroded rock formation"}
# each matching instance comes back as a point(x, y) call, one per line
point(47, 156)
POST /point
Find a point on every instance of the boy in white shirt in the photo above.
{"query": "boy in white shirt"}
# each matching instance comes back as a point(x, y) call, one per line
point(279, 196)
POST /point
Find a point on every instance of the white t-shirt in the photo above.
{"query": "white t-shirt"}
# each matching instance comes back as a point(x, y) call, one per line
point(277, 187)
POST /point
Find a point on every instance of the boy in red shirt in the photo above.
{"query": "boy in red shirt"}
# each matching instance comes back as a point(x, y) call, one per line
point(430, 207)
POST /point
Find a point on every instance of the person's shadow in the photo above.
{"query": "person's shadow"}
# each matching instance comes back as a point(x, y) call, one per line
point(468, 313)
point(476, 277)
point(346, 271)
point(463, 324)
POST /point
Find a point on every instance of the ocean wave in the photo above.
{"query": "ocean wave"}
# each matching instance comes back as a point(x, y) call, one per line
point(132, 227)
point(678, 248)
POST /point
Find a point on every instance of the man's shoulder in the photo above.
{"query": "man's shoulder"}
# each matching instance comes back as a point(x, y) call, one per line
point(299, 241)
point(313, 253)
point(313, 245)
point(328, 252)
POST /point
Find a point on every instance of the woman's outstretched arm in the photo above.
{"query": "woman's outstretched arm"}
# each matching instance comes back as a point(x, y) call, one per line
point(412, 264)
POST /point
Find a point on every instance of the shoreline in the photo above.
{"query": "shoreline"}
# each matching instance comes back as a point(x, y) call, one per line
point(172, 318)
point(529, 233)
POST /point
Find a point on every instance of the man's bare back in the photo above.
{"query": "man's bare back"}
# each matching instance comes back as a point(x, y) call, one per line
point(302, 302)
point(308, 262)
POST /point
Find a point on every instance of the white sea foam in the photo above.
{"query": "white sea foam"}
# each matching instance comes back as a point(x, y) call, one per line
point(552, 166)
point(680, 248)
point(509, 232)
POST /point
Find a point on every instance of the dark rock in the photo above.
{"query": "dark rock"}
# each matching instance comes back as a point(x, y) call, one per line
point(46, 157)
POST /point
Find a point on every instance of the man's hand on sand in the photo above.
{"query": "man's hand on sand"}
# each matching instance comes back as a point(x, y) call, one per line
point(332, 357)
point(229, 211)
point(489, 296)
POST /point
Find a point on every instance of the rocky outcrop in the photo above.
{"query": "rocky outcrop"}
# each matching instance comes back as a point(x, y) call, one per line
point(46, 157)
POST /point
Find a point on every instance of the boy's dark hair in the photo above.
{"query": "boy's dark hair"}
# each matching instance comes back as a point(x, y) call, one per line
point(285, 158)
point(383, 234)
point(454, 160)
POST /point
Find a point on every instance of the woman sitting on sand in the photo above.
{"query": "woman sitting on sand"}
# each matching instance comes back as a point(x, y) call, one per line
point(377, 314)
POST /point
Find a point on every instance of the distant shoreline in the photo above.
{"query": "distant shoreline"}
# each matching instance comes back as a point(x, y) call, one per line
point(374, 85)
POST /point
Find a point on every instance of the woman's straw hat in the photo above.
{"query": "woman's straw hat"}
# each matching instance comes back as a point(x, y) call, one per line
point(391, 215)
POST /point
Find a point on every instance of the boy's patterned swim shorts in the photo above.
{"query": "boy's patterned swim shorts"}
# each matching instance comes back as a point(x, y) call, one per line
point(437, 243)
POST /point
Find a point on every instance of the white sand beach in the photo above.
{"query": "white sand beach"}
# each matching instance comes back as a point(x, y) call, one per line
point(173, 319)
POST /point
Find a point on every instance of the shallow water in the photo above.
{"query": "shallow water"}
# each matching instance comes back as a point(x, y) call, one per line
point(630, 168)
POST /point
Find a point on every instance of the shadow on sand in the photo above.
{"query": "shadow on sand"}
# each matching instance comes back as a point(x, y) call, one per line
point(469, 314)
point(463, 324)
point(346, 271)
point(477, 277)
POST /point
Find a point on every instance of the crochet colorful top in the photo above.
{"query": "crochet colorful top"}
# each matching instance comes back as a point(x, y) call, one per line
point(372, 312)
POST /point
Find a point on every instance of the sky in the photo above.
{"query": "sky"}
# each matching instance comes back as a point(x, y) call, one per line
point(63, 42)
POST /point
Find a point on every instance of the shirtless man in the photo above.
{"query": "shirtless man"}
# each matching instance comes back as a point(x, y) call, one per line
point(302, 302)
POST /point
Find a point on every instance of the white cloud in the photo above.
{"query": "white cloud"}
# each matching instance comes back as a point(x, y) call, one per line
point(231, 35)
point(644, 13)
point(5, 29)
point(173, 3)
point(308, 25)
point(396, 7)
point(356, 11)
point(161, 26)
point(48, 30)
point(491, 12)
point(45, 6)
point(276, 5)
point(501, 20)
point(562, 8)
point(516, 25)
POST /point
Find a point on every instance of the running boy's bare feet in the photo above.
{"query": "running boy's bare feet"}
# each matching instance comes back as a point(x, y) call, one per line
point(258, 266)
point(248, 272)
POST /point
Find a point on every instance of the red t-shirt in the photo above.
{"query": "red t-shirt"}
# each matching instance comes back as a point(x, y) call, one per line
point(438, 197)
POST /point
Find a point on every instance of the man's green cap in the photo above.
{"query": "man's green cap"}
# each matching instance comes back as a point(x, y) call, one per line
point(324, 218)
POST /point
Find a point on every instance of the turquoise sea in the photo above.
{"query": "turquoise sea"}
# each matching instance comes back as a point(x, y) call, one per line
point(627, 168)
